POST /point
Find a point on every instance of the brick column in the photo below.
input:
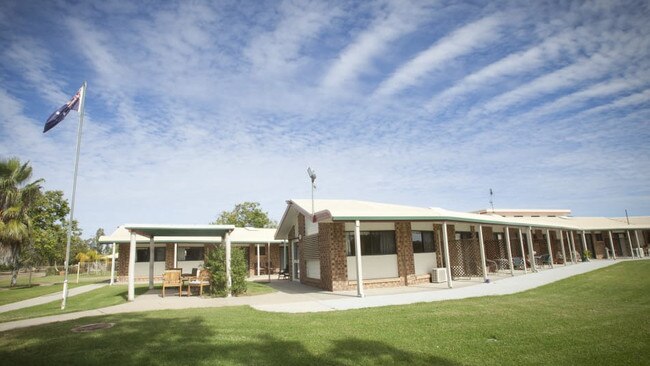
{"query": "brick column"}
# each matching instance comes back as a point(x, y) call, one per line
point(169, 255)
point(275, 256)
point(333, 256)
point(404, 244)
point(440, 250)
point(301, 243)
point(123, 262)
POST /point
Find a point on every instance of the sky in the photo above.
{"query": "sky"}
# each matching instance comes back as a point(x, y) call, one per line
point(195, 106)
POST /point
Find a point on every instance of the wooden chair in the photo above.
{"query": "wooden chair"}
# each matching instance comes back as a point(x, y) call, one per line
point(172, 278)
point(202, 279)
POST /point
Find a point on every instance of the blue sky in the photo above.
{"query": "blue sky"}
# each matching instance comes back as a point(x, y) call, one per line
point(193, 107)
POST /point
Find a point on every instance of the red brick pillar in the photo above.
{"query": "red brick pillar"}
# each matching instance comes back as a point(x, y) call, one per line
point(301, 243)
point(333, 252)
point(405, 260)
point(169, 255)
point(123, 262)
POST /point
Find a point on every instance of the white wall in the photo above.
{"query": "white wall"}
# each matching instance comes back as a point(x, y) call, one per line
point(142, 268)
point(374, 266)
point(313, 268)
point(371, 226)
point(424, 262)
point(422, 226)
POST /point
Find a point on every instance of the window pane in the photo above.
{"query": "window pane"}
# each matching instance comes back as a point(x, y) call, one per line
point(416, 238)
point(142, 255)
point(159, 254)
point(429, 245)
point(387, 244)
point(192, 254)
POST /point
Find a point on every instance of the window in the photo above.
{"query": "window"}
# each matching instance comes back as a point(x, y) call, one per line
point(463, 235)
point(142, 255)
point(262, 250)
point(599, 237)
point(190, 254)
point(423, 242)
point(373, 243)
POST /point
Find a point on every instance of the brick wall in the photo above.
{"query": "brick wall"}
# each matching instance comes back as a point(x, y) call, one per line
point(440, 248)
point(405, 260)
point(333, 256)
point(123, 260)
point(169, 255)
point(301, 254)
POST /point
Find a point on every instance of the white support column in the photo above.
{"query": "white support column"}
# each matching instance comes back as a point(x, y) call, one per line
point(175, 255)
point(257, 258)
point(629, 241)
point(638, 243)
point(151, 258)
point(523, 253)
point(548, 246)
point(562, 244)
point(531, 253)
point(509, 250)
point(268, 260)
point(482, 250)
point(131, 286)
point(584, 243)
point(357, 252)
point(113, 266)
point(611, 244)
point(228, 272)
point(573, 246)
point(445, 242)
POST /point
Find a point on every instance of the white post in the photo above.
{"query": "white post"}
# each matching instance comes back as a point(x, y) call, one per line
point(175, 255)
point(562, 245)
point(268, 260)
point(82, 104)
point(228, 274)
point(151, 258)
point(523, 253)
point(113, 267)
point(357, 252)
point(131, 291)
point(573, 246)
point(257, 259)
point(584, 243)
point(629, 241)
point(482, 251)
point(509, 250)
point(548, 246)
point(611, 244)
point(78, 269)
point(445, 242)
point(638, 244)
point(531, 253)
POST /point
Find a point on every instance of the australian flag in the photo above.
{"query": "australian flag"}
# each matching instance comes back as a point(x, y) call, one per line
point(63, 111)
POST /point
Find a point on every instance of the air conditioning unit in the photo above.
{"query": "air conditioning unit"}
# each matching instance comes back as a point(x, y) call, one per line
point(439, 275)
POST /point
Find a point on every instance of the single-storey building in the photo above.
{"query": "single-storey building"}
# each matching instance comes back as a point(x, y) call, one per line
point(187, 246)
point(394, 245)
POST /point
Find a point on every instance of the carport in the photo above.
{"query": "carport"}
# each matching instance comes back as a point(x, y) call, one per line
point(222, 232)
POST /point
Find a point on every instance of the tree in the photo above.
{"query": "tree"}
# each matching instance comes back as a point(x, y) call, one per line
point(246, 214)
point(216, 264)
point(17, 196)
point(49, 216)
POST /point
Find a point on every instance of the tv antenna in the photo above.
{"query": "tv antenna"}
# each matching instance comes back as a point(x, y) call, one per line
point(312, 176)
point(491, 201)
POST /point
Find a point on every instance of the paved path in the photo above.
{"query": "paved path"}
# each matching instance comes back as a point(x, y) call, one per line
point(295, 298)
point(49, 298)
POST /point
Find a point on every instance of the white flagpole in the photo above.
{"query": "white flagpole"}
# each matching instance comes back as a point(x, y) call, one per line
point(82, 101)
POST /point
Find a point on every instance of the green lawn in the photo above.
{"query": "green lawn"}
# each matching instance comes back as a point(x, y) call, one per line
point(258, 288)
point(40, 286)
point(95, 299)
point(599, 318)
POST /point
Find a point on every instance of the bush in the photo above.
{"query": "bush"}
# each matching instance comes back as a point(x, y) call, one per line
point(216, 264)
point(51, 271)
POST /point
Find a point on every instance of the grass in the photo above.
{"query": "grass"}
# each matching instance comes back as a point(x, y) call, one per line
point(258, 288)
point(40, 286)
point(95, 299)
point(599, 318)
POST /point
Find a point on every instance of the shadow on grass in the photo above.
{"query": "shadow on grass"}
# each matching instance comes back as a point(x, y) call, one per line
point(143, 340)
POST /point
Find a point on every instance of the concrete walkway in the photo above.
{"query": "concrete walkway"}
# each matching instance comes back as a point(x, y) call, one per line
point(292, 297)
point(49, 298)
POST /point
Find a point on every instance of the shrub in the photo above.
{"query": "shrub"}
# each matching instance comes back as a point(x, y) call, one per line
point(216, 264)
point(51, 271)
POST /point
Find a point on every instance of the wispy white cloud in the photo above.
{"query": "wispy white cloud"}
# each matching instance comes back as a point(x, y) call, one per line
point(399, 19)
point(473, 36)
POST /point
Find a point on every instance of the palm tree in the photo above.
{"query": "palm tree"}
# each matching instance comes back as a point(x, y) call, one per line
point(16, 198)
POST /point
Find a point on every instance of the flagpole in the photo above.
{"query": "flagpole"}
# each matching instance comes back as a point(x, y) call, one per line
point(82, 102)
